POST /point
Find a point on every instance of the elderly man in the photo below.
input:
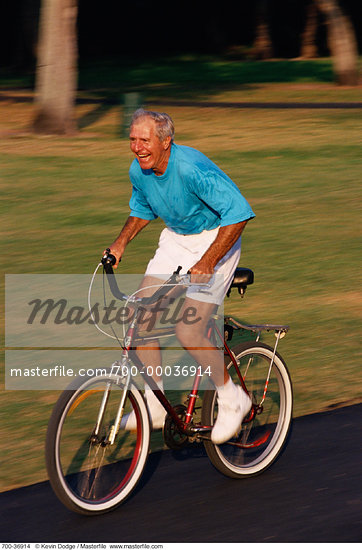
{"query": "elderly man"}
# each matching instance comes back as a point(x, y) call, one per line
point(205, 214)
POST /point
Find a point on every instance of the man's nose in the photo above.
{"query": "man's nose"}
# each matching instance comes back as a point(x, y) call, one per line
point(137, 145)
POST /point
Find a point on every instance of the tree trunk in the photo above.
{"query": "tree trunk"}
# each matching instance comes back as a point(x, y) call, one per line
point(341, 42)
point(262, 47)
point(56, 78)
point(309, 47)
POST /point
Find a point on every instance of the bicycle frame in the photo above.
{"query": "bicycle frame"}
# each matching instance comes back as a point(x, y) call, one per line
point(129, 353)
point(185, 426)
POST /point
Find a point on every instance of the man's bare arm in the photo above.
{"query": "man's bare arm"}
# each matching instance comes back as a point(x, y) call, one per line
point(226, 238)
point(130, 229)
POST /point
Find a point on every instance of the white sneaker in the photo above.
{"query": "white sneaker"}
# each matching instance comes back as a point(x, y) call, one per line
point(230, 416)
point(156, 413)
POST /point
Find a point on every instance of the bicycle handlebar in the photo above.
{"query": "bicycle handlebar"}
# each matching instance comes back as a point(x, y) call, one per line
point(108, 261)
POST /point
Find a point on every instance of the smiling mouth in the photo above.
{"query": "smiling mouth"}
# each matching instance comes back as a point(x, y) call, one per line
point(143, 156)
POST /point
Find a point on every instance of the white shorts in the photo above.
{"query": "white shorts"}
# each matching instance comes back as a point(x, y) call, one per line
point(185, 250)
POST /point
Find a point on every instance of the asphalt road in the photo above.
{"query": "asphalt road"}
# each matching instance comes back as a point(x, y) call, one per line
point(311, 494)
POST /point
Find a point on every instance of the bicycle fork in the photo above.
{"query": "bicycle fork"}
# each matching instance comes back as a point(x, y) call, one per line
point(117, 421)
point(110, 438)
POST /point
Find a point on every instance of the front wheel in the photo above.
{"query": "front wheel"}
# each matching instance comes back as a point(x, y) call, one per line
point(89, 474)
point(264, 432)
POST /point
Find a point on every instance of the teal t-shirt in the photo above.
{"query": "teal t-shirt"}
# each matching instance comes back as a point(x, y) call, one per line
point(192, 195)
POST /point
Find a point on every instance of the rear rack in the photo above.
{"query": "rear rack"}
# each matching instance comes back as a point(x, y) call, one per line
point(279, 330)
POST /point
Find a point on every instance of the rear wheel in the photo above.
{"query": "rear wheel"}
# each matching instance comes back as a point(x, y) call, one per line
point(88, 474)
point(265, 430)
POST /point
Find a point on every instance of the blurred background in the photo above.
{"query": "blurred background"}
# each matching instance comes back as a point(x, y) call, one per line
point(233, 29)
point(270, 90)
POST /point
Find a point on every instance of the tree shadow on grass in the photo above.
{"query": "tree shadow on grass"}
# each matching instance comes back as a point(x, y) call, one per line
point(198, 78)
point(94, 115)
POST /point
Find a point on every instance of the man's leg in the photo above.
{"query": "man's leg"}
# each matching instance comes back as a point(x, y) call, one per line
point(233, 402)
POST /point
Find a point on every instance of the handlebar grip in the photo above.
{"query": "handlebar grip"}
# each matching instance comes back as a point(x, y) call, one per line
point(108, 260)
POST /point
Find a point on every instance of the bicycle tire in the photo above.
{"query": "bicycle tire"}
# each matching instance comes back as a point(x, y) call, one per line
point(90, 477)
point(261, 440)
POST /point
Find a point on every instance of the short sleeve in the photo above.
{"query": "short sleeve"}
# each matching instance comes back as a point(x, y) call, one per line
point(139, 205)
point(220, 193)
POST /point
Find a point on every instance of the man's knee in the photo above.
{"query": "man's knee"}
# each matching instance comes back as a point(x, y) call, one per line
point(189, 335)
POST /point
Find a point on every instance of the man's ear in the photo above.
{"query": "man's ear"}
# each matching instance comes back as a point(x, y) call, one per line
point(167, 142)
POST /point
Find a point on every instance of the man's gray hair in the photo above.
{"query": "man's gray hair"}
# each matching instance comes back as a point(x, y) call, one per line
point(164, 124)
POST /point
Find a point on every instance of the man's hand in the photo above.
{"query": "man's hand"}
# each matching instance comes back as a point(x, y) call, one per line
point(226, 238)
point(202, 271)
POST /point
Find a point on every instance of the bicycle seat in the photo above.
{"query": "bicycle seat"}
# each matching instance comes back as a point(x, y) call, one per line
point(242, 278)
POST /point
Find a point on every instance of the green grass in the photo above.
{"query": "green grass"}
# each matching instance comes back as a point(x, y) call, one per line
point(64, 200)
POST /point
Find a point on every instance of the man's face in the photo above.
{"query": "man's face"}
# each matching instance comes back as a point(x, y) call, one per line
point(152, 154)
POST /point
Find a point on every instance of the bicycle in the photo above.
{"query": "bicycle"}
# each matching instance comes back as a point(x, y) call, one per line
point(94, 465)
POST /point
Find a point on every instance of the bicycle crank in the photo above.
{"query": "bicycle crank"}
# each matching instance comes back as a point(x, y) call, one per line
point(173, 438)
